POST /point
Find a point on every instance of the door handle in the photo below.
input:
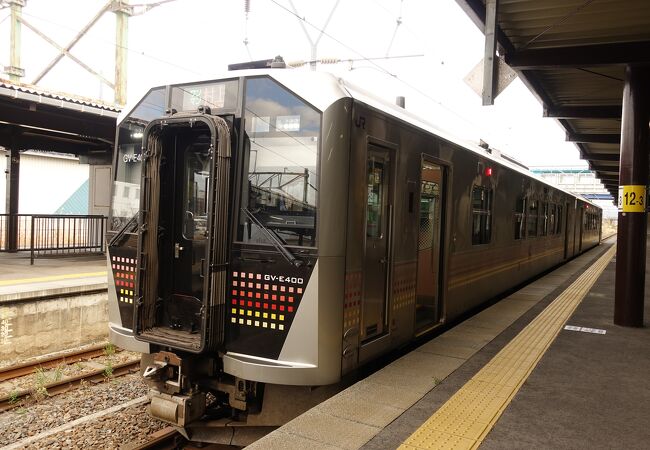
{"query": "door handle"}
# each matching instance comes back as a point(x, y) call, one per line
point(177, 250)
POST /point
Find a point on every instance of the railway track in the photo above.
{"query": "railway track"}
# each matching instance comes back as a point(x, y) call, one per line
point(165, 439)
point(15, 398)
point(19, 370)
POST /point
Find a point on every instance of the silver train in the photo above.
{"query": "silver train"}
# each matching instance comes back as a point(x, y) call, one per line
point(274, 230)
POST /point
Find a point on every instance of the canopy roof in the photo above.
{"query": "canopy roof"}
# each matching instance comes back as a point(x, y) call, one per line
point(572, 55)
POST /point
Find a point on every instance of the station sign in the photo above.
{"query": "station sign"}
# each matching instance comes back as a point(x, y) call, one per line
point(632, 198)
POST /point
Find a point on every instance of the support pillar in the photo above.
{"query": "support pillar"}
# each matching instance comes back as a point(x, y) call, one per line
point(14, 70)
point(490, 62)
point(633, 180)
point(13, 178)
point(122, 12)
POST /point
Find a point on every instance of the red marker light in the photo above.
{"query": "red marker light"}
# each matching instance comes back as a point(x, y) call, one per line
point(488, 171)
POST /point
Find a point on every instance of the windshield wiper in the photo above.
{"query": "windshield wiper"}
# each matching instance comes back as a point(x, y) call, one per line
point(115, 239)
point(277, 243)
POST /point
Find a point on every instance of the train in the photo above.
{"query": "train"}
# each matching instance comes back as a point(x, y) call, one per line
point(275, 230)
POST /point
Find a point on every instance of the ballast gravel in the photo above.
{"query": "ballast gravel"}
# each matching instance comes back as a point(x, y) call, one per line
point(110, 431)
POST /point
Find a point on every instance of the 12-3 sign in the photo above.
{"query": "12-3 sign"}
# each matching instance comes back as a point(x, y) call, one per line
point(631, 198)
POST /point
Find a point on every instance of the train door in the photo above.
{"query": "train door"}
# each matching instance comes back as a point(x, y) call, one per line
point(378, 216)
point(182, 215)
point(428, 307)
point(190, 206)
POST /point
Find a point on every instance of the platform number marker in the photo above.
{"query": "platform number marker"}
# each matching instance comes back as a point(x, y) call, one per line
point(631, 198)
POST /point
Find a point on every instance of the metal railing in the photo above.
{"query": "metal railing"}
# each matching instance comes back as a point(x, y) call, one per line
point(22, 224)
point(52, 234)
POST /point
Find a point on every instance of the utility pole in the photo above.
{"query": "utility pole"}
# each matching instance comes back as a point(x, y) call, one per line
point(14, 70)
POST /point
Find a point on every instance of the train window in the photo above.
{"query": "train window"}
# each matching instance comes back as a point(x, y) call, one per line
point(551, 218)
point(543, 220)
point(280, 159)
point(195, 191)
point(375, 210)
point(558, 221)
point(481, 215)
point(531, 220)
point(220, 95)
point(520, 218)
point(126, 187)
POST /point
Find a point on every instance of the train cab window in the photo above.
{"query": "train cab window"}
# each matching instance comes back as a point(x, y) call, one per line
point(531, 220)
point(126, 186)
point(520, 218)
point(481, 215)
point(280, 183)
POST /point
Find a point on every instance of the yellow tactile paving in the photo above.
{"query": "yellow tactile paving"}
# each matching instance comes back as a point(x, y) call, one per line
point(468, 416)
point(52, 278)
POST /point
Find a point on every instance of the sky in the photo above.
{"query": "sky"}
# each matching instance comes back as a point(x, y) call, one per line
point(186, 40)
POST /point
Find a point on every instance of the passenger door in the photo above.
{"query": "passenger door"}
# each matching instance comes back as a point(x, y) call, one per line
point(379, 211)
point(428, 306)
point(192, 175)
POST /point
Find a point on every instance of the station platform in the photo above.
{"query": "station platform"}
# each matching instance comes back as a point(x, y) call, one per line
point(49, 276)
point(52, 306)
point(543, 368)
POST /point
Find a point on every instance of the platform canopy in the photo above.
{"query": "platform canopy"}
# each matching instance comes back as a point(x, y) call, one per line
point(572, 55)
point(35, 119)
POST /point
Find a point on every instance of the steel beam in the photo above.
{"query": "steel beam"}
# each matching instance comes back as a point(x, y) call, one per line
point(490, 62)
point(580, 56)
point(632, 225)
point(65, 50)
point(583, 112)
point(599, 138)
point(121, 49)
point(601, 168)
point(603, 157)
point(48, 118)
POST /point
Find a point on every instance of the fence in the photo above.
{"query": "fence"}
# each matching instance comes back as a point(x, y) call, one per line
point(49, 234)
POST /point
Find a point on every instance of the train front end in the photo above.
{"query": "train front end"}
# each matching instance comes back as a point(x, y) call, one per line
point(217, 244)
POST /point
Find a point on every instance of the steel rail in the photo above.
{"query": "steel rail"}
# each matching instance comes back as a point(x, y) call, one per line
point(28, 368)
point(165, 438)
point(13, 400)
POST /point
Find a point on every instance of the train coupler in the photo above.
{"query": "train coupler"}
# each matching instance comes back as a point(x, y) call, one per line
point(176, 409)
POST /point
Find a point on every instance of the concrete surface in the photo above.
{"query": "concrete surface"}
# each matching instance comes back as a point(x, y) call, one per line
point(385, 408)
point(55, 304)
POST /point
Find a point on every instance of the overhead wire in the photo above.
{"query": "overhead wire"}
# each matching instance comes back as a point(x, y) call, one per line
point(377, 66)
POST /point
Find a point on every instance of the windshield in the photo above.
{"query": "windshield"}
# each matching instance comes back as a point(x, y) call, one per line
point(281, 151)
point(126, 187)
